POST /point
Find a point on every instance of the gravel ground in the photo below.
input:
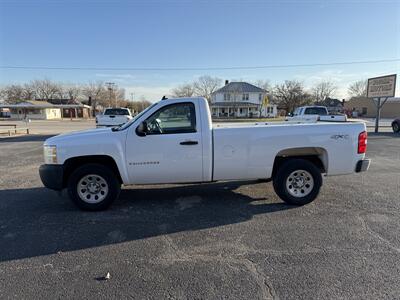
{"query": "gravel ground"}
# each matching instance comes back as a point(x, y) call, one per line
point(211, 241)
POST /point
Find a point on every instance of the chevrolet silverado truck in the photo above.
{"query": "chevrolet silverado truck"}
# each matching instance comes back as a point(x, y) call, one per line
point(113, 117)
point(315, 113)
point(173, 141)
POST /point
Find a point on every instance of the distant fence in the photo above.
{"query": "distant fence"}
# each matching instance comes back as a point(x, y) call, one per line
point(14, 129)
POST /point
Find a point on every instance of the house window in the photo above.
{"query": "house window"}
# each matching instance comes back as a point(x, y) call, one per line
point(227, 97)
point(241, 110)
point(259, 97)
point(245, 97)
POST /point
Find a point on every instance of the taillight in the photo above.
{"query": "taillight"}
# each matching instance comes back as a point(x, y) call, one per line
point(362, 142)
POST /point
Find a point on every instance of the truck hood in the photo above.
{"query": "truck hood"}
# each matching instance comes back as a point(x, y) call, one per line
point(78, 135)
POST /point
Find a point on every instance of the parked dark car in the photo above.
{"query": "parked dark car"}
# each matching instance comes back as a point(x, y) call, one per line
point(396, 125)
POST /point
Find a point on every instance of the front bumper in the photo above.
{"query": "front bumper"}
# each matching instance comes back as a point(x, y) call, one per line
point(363, 165)
point(52, 176)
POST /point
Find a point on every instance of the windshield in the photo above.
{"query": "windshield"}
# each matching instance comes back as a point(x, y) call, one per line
point(126, 125)
point(116, 112)
point(316, 111)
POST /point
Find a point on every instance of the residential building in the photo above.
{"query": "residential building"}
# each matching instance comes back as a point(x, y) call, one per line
point(333, 105)
point(365, 107)
point(241, 99)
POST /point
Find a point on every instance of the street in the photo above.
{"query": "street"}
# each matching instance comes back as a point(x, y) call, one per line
point(232, 240)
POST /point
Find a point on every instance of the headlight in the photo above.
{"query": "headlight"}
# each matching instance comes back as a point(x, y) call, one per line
point(50, 154)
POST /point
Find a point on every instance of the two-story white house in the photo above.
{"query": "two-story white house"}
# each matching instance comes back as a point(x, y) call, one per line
point(241, 99)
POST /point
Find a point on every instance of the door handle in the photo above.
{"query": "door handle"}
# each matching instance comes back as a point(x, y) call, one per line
point(188, 143)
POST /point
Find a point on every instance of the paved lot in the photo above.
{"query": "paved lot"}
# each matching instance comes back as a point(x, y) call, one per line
point(211, 241)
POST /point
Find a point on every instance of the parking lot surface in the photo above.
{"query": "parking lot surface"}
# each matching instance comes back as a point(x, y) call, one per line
point(222, 240)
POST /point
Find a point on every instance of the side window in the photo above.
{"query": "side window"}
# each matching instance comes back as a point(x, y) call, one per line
point(175, 118)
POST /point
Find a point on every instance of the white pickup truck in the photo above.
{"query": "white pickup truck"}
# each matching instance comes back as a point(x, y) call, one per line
point(113, 117)
point(315, 113)
point(173, 141)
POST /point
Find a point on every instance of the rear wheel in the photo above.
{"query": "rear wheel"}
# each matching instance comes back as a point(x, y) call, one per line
point(93, 187)
point(396, 127)
point(297, 181)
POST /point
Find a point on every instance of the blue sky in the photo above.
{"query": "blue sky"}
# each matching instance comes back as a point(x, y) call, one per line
point(198, 34)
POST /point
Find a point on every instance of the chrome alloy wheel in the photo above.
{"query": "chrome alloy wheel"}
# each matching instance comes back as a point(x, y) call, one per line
point(299, 183)
point(92, 188)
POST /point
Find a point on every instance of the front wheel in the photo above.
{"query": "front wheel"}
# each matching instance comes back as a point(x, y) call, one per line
point(93, 187)
point(396, 127)
point(297, 182)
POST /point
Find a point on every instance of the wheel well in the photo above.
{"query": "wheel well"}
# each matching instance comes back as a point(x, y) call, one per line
point(315, 159)
point(72, 163)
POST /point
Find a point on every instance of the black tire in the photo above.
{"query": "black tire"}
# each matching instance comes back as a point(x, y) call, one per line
point(108, 177)
point(396, 127)
point(288, 169)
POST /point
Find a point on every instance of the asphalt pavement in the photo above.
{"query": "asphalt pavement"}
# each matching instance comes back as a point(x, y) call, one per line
point(233, 240)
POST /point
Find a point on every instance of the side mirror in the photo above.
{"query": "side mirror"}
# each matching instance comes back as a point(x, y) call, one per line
point(141, 130)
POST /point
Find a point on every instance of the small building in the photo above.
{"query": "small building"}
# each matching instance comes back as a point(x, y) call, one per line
point(34, 110)
point(71, 109)
point(42, 110)
point(334, 106)
point(241, 99)
point(365, 107)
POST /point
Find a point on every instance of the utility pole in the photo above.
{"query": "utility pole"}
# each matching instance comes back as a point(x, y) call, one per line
point(110, 89)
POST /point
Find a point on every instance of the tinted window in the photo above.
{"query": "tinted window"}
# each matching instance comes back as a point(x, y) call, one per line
point(315, 111)
point(116, 112)
point(175, 118)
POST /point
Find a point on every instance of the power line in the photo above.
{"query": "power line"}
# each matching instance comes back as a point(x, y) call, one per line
point(201, 68)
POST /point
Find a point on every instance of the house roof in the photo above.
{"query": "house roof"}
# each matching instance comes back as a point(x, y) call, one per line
point(63, 101)
point(239, 87)
point(330, 102)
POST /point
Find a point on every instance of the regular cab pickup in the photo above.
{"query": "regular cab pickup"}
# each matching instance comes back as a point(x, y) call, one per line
point(173, 141)
point(315, 113)
point(113, 117)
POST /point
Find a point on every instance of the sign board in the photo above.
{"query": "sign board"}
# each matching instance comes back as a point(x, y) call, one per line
point(383, 86)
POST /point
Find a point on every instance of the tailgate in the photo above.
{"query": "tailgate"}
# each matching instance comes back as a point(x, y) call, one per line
point(111, 120)
point(335, 118)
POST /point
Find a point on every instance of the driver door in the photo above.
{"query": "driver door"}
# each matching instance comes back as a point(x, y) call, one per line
point(171, 151)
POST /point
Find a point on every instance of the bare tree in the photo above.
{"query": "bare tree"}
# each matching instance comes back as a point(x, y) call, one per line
point(264, 84)
point(205, 85)
point(29, 91)
point(291, 94)
point(73, 91)
point(323, 90)
point(184, 90)
point(46, 89)
point(96, 92)
point(358, 88)
point(137, 106)
point(13, 93)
